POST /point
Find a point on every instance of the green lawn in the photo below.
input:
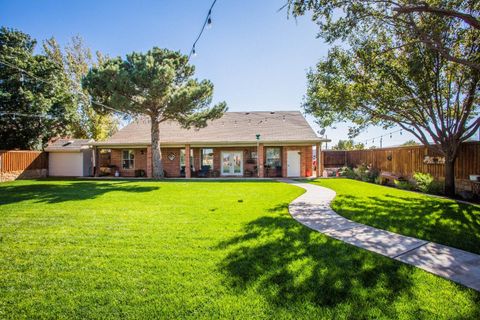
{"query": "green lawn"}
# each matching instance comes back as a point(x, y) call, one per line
point(408, 213)
point(141, 249)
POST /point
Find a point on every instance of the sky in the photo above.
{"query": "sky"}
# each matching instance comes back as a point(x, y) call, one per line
point(256, 56)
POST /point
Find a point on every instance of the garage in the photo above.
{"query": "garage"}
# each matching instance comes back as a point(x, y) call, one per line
point(70, 158)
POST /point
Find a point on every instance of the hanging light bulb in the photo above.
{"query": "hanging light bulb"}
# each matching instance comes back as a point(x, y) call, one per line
point(390, 136)
point(400, 132)
point(283, 118)
point(209, 22)
point(194, 52)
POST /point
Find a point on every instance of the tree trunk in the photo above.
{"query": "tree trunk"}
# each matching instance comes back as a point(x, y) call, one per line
point(157, 166)
point(450, 175)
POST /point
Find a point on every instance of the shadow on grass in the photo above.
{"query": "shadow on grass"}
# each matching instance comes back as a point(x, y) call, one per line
point(293, 267)
point(67, 191)
point(433, 219)
point(291, 264)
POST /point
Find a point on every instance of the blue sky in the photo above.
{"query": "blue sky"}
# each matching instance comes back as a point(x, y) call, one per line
point(255, 56)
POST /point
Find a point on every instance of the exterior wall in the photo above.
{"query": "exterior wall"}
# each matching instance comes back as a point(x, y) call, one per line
point(140, 161)
point(306, 165)
point(172, 167)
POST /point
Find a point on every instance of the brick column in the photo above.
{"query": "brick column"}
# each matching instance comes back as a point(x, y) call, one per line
point(96, 160)
point(149, 162)
point(188, 172)
point(260, 160)
point(319, 161)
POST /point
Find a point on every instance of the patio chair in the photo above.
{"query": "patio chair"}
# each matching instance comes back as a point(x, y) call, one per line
point(204, 172)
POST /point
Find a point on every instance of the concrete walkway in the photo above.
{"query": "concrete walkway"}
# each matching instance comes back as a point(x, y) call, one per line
point(313, 210)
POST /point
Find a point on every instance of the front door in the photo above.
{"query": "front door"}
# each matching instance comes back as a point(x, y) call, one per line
point(293, 163)
point(232, 163)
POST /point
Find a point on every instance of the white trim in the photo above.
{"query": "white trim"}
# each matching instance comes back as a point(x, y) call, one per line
point(231, 173)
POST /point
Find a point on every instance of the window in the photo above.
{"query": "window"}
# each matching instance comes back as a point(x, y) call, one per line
point(182, 158)
point(128, 157)
point(207, 157)
point(273, 157)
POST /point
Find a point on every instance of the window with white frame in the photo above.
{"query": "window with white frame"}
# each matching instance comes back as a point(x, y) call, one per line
point(128, 159)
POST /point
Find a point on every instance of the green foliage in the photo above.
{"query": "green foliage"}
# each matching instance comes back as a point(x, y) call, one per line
point(158, 84)
point(348, 145)
point(88, 249)
point(425, 182)
point(404, 185)
point(410, 143)
point(74, 62)
point(415, 65)
point(48, 104)
point(361, 172)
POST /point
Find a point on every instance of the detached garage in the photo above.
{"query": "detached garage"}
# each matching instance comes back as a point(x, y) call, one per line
point(70, 158)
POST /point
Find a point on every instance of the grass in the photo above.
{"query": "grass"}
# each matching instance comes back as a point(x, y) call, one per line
point(141, 249)
point(413, 214)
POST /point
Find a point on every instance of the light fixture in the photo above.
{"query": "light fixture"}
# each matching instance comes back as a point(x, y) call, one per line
point(194, 52)
point(209, 22)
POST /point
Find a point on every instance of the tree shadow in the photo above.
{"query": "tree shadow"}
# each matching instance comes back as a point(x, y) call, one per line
point(66, 191)
point(293, 267)
point(438, 220)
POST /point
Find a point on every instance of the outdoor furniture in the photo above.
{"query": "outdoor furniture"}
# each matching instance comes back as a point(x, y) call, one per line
point(475, 187)
point(204, 172)
point(388, 177)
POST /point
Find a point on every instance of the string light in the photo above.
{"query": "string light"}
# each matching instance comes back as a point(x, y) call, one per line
point(207, 23)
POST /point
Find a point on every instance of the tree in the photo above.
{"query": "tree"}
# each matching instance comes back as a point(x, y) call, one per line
point(410, 143)
point(454, 37)
point(35, 103)
point(348, 145)
point(75, 61)
point(158, 84)
point(390, 75)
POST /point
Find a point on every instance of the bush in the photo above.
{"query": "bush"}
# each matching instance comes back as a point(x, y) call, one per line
point(347, 172)
point(404, 184)
point(366, 173)
point(425, 182)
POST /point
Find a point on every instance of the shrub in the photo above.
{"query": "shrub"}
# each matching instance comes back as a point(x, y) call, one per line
point(404, 184)
point(366, 173)
point(425, 182)
point(347, 172)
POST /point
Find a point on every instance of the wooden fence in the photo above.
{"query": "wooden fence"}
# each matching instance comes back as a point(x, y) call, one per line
point(404, 161)
point(22, 164)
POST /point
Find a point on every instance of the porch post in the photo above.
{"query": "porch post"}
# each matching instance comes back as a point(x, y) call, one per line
point(149, 162)
point(260, 160)
point(319, 160)
point(188, 172)
point(96, 161)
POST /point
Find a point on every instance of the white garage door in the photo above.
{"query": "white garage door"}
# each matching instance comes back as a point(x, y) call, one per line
point(65, 164)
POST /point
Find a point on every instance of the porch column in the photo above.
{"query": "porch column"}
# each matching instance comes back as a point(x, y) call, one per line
point(260, 160)
point(319, 160)
point(96, 161)
point(188, 172)
point(149, 162)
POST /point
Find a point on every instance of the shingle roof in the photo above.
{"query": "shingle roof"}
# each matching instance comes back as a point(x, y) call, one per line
point(68, 145)
point(232, 127)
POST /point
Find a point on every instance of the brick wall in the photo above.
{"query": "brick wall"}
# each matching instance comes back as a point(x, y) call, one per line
point(172, 167)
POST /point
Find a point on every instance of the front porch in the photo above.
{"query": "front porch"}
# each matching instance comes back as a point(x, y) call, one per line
point(206, 161)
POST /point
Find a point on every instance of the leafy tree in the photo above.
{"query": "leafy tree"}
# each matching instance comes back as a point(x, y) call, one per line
point(75, 61)
point(35, 104)
point(391, 74)
point(158, 84)
point(348, 145)
point(448, 27)
point(410, 143)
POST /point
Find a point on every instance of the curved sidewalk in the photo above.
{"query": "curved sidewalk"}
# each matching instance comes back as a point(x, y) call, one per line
point(313, 210)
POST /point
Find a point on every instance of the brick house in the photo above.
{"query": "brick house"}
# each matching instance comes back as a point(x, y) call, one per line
point(239, 144)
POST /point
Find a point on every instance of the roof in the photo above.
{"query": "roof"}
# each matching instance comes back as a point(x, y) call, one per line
point(68, 145)
point(231, 128)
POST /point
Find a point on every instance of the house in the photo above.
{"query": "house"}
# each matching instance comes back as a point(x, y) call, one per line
point(239, 144)
point(70, 158)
